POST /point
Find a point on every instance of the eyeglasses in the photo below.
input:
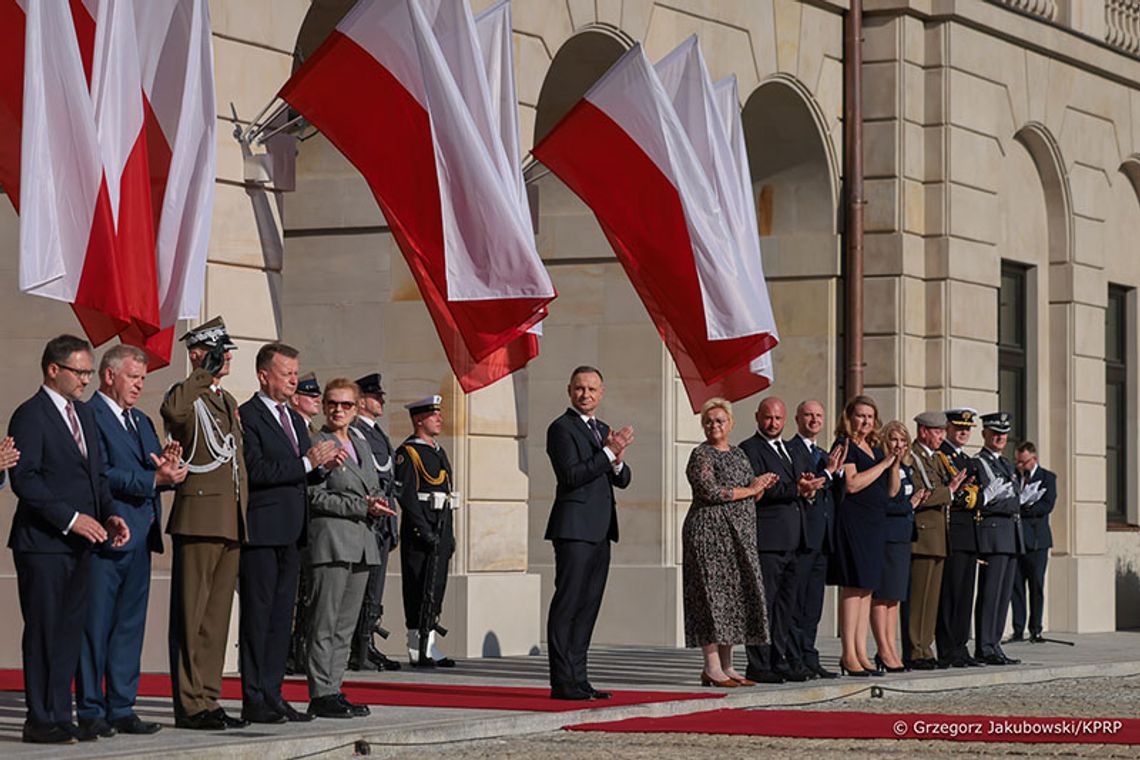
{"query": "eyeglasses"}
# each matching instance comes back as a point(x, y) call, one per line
point(344, 405)
point(82, 374)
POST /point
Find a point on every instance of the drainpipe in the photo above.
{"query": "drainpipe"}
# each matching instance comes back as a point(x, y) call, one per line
point(853, 179)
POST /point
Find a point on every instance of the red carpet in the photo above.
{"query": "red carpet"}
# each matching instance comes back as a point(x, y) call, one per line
point(857, 725)
point(413, 694)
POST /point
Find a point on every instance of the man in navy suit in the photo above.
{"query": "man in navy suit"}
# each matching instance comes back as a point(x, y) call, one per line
point(280, 462)
point(137, 469)
point(819, 522)
point(587, 457)
point(1036, 506)
point(781, 539)
point(65, 507)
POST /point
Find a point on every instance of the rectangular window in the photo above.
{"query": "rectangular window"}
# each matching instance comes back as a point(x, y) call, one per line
point(1116, 404)
point(1013, 350)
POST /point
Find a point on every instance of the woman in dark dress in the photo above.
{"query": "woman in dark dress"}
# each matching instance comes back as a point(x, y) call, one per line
point(896, 565)
point(860, 530)
point(723, 589)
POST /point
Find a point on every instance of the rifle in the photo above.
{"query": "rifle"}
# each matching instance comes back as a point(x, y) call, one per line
point(429, 605)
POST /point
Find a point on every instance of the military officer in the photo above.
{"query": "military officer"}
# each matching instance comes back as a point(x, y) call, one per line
point(424, 485)
point(306, 400)
point(999, 539)
point(365, 655)
point(207, 521)
point(928, 551)
point(952, 630)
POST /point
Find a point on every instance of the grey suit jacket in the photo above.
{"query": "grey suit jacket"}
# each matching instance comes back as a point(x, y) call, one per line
point(339, 527)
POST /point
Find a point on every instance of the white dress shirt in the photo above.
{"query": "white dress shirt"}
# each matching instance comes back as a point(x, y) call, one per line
point(61, 406)
point(271, 405)
point(609, 454)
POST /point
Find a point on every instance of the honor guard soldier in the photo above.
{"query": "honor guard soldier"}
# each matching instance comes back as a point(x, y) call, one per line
point(424, 489)
point(207, 522)
point(956, 602)
point(365, 655)
point(306, 400)
point(999, 539)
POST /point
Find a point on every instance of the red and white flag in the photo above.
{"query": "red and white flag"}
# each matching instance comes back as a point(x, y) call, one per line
point(11, 96)
point(400, 87)
point(625, 151)
point(123, 90)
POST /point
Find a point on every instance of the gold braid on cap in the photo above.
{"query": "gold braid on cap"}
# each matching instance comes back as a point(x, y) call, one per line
point(421, 471)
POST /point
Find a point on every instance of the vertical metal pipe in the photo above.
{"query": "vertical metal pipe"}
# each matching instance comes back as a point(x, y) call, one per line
point(853, 179)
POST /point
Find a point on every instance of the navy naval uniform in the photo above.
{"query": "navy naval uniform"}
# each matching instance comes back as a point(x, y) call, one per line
point(952, 630)
point(421, 470)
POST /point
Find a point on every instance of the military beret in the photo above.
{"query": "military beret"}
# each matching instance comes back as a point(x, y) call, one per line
point(931, 419)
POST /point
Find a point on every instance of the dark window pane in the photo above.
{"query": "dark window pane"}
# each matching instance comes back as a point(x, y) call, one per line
point(1114, 329)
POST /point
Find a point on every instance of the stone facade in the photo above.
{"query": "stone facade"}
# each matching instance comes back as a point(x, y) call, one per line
point(994, 131)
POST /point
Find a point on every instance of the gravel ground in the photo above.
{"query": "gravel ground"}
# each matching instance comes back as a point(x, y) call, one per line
point(1088, 698)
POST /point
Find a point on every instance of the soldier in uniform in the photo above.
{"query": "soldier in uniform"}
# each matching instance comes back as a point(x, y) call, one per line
point(952, 630)
point(423, 486)
point(928, 551)
point(207, 522)
point(365, 655)
point(305, 401)
point(999, 539)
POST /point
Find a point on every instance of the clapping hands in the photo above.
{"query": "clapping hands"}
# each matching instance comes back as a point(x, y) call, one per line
point(326, 454)
point(837, 456)
point(808, 484)
point(618, 440)
point(761, 483)
point(918, 497)
point(9, 454)
point(378, 506)
point(169, 468)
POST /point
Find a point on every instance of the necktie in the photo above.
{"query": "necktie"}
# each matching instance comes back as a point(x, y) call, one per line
point(288, 425)
point(782, 452)
point(130, 423)
point(593, 425)
point(76, 431)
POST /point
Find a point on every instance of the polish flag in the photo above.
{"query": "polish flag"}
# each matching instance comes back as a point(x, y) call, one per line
point(11, 96)
point(138, 78)
point(400, 87)
point(628, 154)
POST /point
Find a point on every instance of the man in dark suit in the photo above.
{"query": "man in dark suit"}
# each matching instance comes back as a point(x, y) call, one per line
point(956, 599)
point(1037, 503)
point(65, 507)
point(280, 462)
point(819, 522)
point(137, 470)
point(781, 533)
point(588, 461)
point(999, 539)
point(386, 528)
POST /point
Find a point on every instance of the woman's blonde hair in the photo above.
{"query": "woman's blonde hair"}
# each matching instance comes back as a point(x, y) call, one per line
point(843, 424)
point(338, 383)
point(716, 403)
point(895, 426)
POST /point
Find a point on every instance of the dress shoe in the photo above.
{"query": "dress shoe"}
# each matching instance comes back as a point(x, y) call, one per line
point(207, 720)
point(766, 676)
point(292, 715)
point(261, 713)
point(92, 728)
point(1037, 638)
point(571, 692)
point(727, 683)
point(1009, 660)
point(992, 659)
point(923, 664)
point(972, 662)
point(358, 711)
point(133, 724)
point(328, 706)
point(1017, 637)
point(882, 666)
point(822, 672)
point(594, 693)
point(745, 681)
point(229, 721)
point(49, 734)
point(377, 660)
point(799, 675)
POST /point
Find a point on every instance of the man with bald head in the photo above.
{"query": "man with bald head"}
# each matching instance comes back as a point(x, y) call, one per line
point(781, 533)
point(819, 520)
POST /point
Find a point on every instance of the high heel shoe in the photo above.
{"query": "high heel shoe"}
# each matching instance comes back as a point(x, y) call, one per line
point(882, 666)
point(856, 673)
point(707, 680)
point(742, 681)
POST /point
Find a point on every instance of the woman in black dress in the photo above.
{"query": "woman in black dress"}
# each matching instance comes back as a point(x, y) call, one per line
point(860, 530)
point(896, 565)
point(723, 589)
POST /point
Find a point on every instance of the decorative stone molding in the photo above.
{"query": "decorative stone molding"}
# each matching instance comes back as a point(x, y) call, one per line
point(1046, 9)
point(1122, 19)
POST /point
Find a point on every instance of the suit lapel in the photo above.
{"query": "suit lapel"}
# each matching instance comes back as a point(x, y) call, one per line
point(117, 428)
point(56, 421)
point(275, 423)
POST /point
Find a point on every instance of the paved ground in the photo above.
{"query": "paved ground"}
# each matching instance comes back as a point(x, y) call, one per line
point(1101, 678)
